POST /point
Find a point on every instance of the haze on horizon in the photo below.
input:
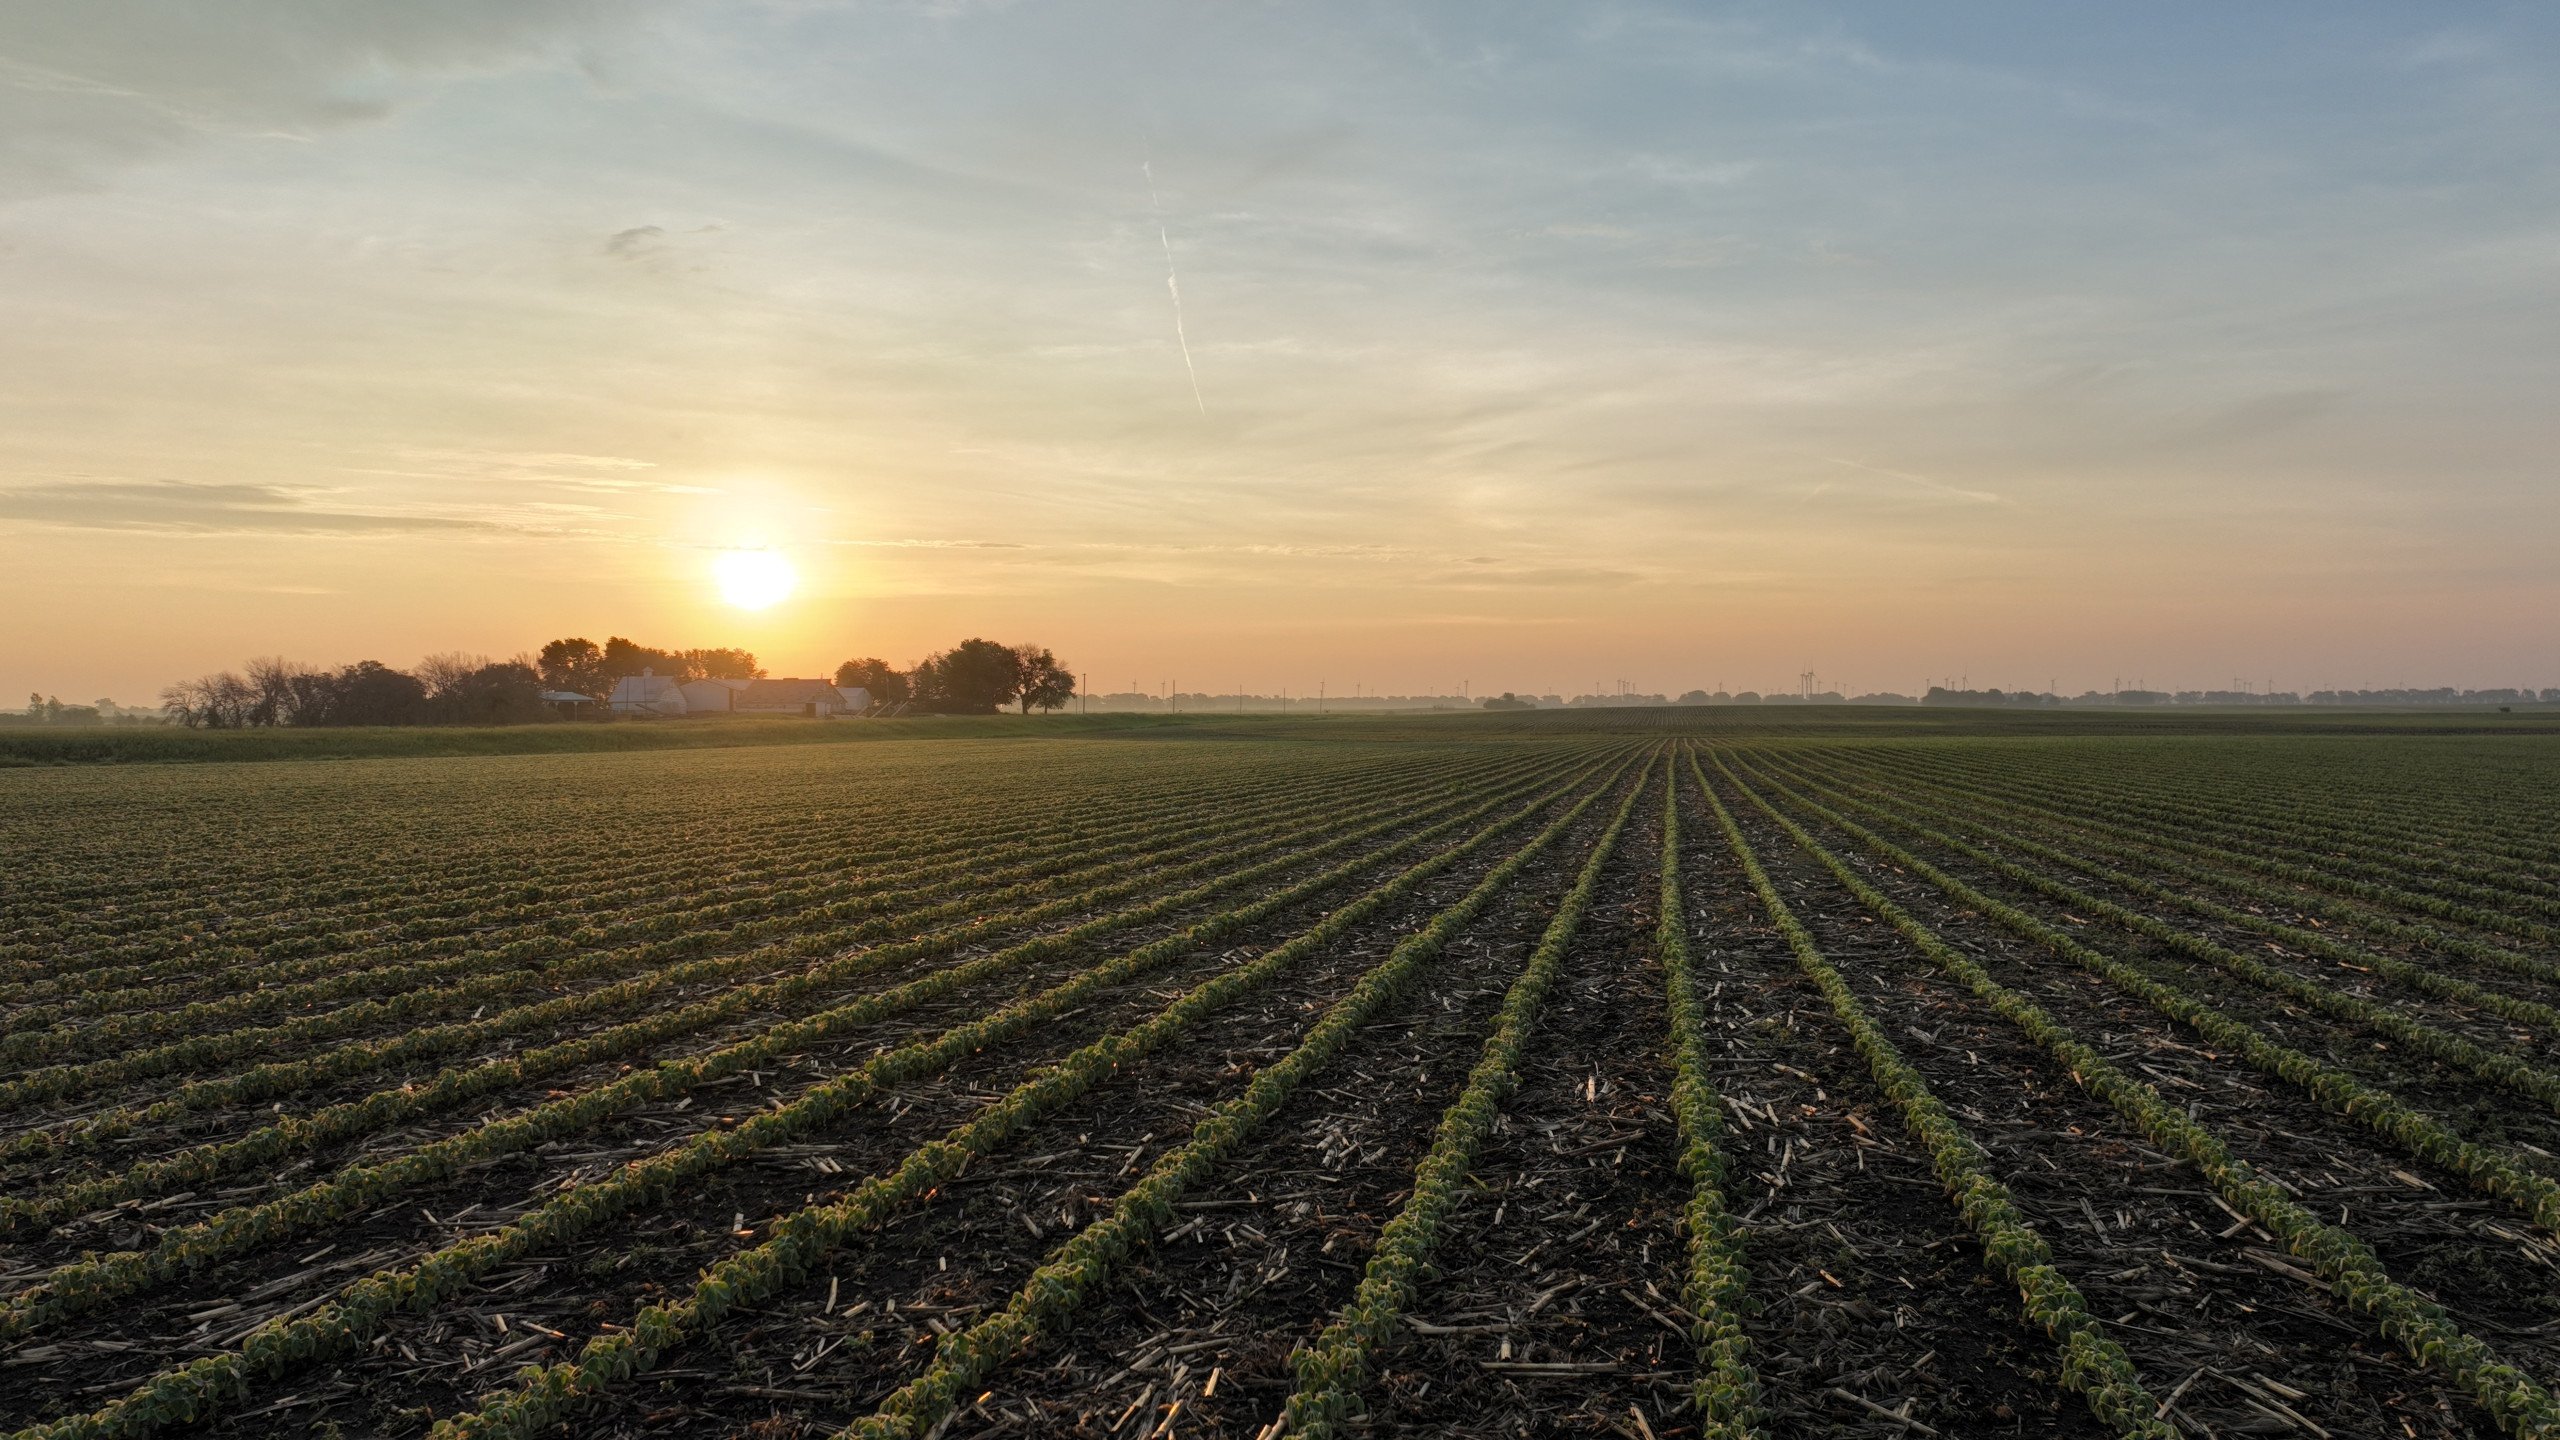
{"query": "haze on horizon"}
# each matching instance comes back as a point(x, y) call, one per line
point(1533, 346)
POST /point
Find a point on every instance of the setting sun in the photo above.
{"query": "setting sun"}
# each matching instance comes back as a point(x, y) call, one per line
point(753, 579)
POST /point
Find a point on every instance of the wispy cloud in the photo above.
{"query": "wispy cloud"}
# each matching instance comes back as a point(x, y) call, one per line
point(193, 508)
point(1923, 483)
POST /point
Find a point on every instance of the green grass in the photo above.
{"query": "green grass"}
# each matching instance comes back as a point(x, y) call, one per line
point(138, 744)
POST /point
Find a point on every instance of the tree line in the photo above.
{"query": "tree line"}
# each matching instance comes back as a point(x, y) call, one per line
point(974, 677)
point(449, 689)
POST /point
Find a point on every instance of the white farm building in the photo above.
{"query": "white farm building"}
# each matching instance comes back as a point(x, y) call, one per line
point(651, 695)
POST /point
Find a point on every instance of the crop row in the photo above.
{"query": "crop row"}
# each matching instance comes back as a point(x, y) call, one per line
point(2487, 1169)
point(1088, 1261)
point(505, 974)
point(472, 880)
point(813, 934)
point(204, 1386)
point(455, 1087)
point(2091, 836)
point(2519, 1405)
point(542, 929)
point(1338, 1366)
point(803, 1239)
point(2498, 1067)
point(1716, 1288)
point(2421, 978)
point(2477, 906)
point(653, 860)
point(2316, 792)
point(834, 963)
point(89, 1283)
point(2404, 836)
point(555, 917)
point(2093, 1363)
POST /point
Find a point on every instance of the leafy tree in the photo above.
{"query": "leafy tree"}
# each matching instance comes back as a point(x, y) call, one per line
point(630, 657)
point(872, 673)
point(1043, 683)
point(723, 664)
point(974, 677)
point(575, 665)
point(372, 693)
point(1508, 701)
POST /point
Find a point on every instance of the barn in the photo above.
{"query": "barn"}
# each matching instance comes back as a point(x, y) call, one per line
point(648, 694)
point(815, 698)
point(712, 697)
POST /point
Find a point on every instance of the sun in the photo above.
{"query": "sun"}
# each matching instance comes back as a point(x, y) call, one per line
point(753, 579)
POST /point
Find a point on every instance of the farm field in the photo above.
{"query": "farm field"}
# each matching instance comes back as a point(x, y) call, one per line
point(1648, 1073)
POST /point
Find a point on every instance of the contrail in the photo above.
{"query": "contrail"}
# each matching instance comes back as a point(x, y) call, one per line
point(1172, 283)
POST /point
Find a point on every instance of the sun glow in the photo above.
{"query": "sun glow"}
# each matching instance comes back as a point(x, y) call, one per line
point(753, 579)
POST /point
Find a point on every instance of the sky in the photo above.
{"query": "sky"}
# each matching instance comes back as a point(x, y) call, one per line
point(1513, 346)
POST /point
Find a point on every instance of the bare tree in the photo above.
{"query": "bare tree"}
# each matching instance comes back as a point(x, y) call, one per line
point(447, 672)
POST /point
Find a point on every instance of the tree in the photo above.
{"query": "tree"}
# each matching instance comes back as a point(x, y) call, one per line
point(630, 657)
point(372, 693)
point(1508, 701)
point(506, 692)
point(872, 673)
point(281, 691)
point(1041, 680)
point(219, 701)
point(974, 677)
point(723, 664)
point(575, 665)
point(446, 672)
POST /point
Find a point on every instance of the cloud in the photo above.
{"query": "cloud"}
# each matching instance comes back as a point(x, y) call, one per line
point(107, 82)
point(631, 241)
point(2249, 419)
point(932, 544)
point(188, 507)
point(1536, 577)
point(1923, 483)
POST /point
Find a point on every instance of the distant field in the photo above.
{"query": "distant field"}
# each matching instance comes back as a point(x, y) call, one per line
point(1675, 1073)
point(148, 744)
